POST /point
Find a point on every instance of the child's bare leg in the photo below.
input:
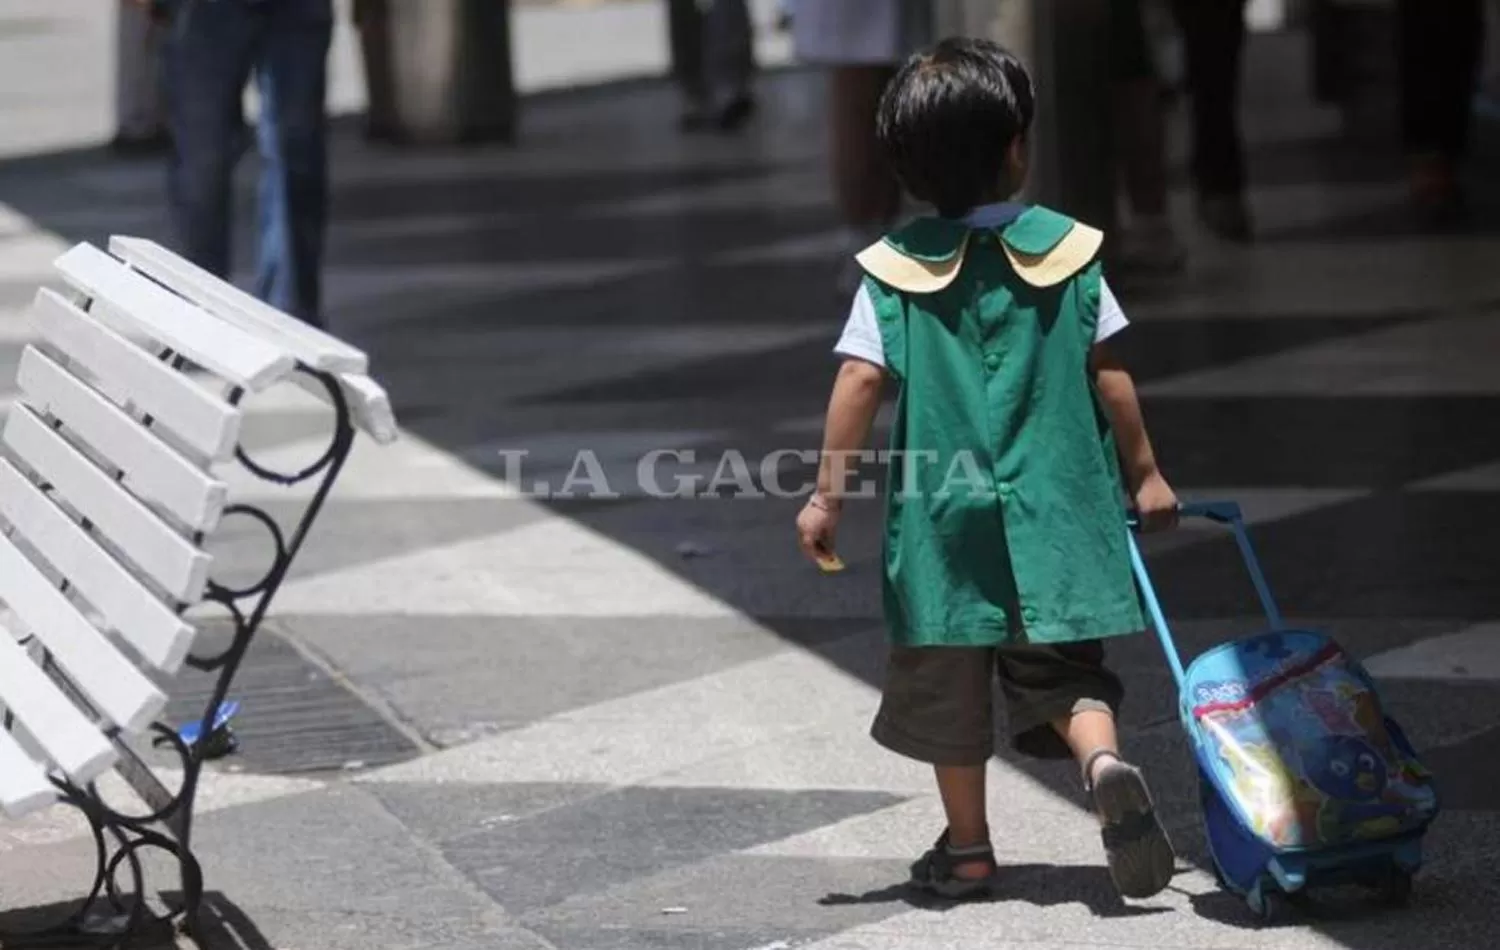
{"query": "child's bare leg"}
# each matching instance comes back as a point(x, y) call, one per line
point(962, 789)
point(1087, 732)
point(1140, 856)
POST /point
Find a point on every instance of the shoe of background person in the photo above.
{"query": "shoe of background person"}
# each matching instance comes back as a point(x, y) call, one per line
point(1151, 246)
point(696, 116)
point(730, 117)
point(140, 146)
point(1227, 217)
point(1437, 196)
point(735, 113)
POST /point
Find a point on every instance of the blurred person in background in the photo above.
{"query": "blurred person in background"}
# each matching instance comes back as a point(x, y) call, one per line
point(140, 113)
point(1213, 37)
point(1149, 244)
point(214, 47)
point(713, 62)
point(860, 43)
point(1441, 45)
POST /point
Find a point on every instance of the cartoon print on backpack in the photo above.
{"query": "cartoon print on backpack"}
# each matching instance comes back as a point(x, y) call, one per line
point(1364, 791)
point(1349, 708)
point(1308, 754)
point(1356, 780)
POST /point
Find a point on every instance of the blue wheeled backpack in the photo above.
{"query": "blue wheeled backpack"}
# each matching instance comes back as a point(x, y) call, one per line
point(1303, 778)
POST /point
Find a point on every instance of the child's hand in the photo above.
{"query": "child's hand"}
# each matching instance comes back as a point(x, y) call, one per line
point(1156, 503)
point(816, 526)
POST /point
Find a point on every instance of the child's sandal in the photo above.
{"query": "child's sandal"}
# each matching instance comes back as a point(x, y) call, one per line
point(937, 871)
point(1141, 860)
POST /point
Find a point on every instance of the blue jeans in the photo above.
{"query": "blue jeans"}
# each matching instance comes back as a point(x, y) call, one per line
point(214, 49)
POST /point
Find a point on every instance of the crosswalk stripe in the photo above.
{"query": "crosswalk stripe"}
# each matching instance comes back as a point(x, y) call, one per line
point(1470, 654)
point(620, 741)
point(217, 790)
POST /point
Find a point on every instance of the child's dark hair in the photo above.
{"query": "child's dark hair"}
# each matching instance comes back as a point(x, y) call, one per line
point(948, 119)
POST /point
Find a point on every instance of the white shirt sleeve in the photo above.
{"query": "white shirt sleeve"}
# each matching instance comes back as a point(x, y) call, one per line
point(1111, 317)
point(861, 337)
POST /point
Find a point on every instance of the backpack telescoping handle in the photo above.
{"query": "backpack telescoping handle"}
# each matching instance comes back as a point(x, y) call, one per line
point(1222, 512)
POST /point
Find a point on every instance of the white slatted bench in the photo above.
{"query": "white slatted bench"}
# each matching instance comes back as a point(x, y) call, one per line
point(110, 465)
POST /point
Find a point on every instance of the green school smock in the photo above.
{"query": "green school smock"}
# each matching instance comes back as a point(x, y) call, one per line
point(1005, 510)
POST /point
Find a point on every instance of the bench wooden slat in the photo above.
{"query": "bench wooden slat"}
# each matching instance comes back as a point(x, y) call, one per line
point(144, 538)
point(153, 470)
point(159, 635)
point(66, 736)
point(106, 675)
point(308, 344)
point(206, 423)
point(23, 781)
point(369, 406)
point(225, 350)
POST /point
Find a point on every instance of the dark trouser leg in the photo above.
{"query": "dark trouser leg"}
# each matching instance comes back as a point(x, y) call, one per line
point(292, 73)
point(866, 189)
point(729, 39)
point(1214, 40)
point(1139, 123)
point(208, 60)
point(685, 40)
point(1440, 45)
point(869, 196)
point(371, 19)
point(138, 76)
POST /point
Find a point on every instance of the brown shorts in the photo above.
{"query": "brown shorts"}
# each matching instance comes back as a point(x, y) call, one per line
point(938, 704)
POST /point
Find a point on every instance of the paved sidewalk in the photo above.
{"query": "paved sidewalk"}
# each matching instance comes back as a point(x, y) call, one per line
point(483, 720)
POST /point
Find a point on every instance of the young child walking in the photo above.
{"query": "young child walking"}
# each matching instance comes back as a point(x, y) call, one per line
point(1017, 436)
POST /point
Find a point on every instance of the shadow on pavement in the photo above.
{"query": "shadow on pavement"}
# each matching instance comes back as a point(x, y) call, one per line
point(223, 926)
point(1041, 885)
point(1380, 927)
